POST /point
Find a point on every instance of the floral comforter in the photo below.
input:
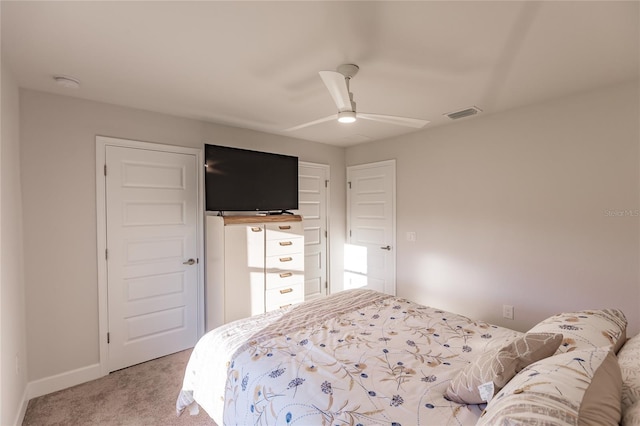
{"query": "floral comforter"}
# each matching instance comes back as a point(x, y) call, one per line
point(357, 357)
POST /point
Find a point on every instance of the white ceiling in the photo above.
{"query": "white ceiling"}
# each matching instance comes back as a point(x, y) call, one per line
point(255, 64)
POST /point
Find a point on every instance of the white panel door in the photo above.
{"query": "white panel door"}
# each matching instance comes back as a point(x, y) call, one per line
point(313, 183)
point(370, 260)
point(152, 276)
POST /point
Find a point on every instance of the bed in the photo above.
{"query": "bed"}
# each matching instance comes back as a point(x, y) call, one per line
point(361, 357)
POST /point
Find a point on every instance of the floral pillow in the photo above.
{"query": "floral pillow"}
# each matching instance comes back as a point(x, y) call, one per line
point(581, 387)
point(497, 367)
point(587, 329)
point(629, 360)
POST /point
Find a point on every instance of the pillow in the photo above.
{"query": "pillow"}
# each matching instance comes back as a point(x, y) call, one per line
point(582, 387)
point(499, 366)
point(631, 416)
point(629, 360)
point(587, 329)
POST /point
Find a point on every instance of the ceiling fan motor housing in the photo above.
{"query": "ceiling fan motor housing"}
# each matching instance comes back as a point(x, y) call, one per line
point(348, 70)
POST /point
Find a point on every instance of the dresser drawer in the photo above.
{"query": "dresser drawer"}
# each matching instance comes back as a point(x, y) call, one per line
point(278, 298)
point(284, 230)
point(284, 246)
point(289, 262)
point(282, 278)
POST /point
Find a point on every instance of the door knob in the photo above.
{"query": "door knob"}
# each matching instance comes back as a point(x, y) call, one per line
point(189, 262)
point(386, 248)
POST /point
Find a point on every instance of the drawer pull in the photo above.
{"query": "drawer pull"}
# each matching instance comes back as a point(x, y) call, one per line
point(286, 259)
point(286, 290)
point(286, 275)
point(284, 306)
point(256, 229)
point(285, 243)
point(284, 226)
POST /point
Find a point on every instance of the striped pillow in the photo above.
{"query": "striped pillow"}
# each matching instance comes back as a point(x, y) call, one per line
point(629, 359)
point(581, 387)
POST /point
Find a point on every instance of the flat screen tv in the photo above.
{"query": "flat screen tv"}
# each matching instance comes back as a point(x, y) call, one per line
point(243, 180)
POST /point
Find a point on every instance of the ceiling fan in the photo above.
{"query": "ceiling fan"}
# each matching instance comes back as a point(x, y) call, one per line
point(337, 83)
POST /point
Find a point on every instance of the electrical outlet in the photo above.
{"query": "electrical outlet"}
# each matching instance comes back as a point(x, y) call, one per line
point(411, 236)
point(507, 311)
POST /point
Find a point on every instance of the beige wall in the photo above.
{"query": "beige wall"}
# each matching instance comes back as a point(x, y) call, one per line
point(508, 209)
point(58, 167)
point(12, 296)
point(511, 208)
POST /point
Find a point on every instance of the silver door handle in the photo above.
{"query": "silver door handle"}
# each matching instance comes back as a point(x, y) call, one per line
point(386, 248)
point(189, 262)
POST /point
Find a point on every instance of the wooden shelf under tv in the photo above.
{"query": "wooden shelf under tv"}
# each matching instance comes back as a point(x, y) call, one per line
point(230, 220)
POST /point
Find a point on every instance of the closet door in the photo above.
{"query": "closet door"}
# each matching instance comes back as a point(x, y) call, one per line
point(370, 259)
point(152, 252)
point(313, 187)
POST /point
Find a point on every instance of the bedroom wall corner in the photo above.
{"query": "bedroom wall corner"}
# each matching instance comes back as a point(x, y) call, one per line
point(13, 353)
point(534, 207)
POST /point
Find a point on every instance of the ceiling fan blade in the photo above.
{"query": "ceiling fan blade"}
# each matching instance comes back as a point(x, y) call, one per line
point(337, 86)
point(392, 119)
point(312, 123)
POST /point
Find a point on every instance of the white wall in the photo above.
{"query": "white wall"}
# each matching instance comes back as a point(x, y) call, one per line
point(511, 208)
point(58, 166)
point(12, 297)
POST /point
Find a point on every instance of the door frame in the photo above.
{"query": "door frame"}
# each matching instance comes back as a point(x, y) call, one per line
point(101, 232)
point(327, 199)
point(391, 163)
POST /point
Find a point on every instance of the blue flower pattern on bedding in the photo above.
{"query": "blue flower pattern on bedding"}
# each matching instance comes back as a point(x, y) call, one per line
point(388, 362)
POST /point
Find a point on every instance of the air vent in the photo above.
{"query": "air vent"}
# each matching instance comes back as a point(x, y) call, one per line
point(463, 113)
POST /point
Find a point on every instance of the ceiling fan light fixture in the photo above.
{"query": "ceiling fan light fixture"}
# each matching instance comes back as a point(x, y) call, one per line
point(346, 116)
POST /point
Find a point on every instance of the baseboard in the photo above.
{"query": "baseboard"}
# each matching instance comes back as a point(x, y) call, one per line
point(23, 408)
point(62, 381)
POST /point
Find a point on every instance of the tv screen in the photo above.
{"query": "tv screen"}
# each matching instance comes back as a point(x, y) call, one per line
point(243, 180)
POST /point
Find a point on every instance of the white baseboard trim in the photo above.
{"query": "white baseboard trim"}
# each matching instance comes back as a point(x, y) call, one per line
point(62, 381)
point(23, 409)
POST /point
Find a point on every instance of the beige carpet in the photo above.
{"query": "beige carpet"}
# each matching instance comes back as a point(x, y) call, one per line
point(144, 394)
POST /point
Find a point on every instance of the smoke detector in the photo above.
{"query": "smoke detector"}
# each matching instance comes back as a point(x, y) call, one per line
point(67, 82)
point(467, 112)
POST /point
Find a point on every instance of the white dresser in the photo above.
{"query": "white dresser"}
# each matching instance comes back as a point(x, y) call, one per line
point(258, 261)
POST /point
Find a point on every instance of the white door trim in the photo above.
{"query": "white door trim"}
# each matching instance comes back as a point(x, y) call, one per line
point(327, 168)
point(103, 319)
point(391, 163)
